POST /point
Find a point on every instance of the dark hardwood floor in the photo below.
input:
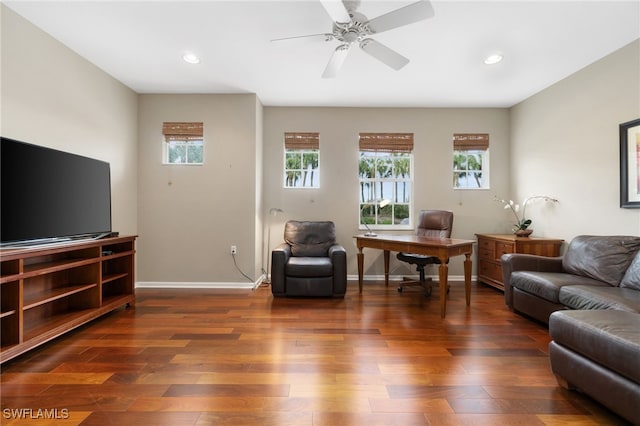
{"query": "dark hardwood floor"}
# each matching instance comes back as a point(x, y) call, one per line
point(237, 357)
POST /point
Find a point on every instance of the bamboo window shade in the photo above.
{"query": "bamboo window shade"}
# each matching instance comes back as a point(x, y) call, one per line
point(470, 141)
point(386, 142)
point(182, 131)
point(302, 140)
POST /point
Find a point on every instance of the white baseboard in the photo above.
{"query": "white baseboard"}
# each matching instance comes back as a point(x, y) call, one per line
point(400, 277)
point(230, 285)
point(176, 285)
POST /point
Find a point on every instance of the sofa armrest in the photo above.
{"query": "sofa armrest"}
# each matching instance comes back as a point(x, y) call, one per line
point(279, 257)
point(512, 262)
point(338, 256)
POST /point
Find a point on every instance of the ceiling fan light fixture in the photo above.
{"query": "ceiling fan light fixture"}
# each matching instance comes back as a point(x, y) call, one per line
point(493, 59)
point(190, 58)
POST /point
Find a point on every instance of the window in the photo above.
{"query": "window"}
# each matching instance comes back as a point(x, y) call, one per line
point(184, 143)
point(301, 160)
point(470, 161)
point(385, 170)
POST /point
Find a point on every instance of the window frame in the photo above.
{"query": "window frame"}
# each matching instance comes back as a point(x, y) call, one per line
point(386, 150)
point(301, 143)
point(301, 152)
point(476, 144)
point(183, 133)
point(185, 142)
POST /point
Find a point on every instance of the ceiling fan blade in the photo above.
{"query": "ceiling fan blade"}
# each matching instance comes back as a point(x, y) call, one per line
point(383, 53)
point(409, 14)
point(337, 11)
point(335, 63)
point(327, 37)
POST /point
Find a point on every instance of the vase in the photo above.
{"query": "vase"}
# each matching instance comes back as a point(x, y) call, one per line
point(523, 232)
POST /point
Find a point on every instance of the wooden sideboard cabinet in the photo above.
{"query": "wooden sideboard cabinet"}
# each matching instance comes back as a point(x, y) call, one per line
point(491, 247)
point(48, 291)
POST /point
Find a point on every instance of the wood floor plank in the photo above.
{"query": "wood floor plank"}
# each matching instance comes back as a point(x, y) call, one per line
point(241, 357)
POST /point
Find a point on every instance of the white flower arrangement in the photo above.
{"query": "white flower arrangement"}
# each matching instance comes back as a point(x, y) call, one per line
point(522, 223)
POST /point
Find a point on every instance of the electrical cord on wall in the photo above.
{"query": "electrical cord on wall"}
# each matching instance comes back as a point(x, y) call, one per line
point(240, 270)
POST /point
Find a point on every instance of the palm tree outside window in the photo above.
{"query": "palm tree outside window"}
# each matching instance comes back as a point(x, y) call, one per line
point(301, 160)
point(385, 175)
point(471, 161)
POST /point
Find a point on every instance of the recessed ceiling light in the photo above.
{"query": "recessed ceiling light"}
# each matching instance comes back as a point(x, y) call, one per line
point(190, 58)
point(493, 59)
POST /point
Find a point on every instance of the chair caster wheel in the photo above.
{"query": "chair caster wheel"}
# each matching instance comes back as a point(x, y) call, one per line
point(400, 289)
point(427, 292)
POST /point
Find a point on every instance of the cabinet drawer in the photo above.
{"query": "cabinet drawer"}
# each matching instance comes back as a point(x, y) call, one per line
point(503, 248)
point(490, 270)
point(486, 249)
point(484, 253)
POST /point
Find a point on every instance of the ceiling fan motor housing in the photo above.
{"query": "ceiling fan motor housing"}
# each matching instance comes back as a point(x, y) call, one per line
point(353, 31)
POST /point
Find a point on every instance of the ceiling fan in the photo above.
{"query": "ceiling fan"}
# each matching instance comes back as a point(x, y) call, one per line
point(351, 27)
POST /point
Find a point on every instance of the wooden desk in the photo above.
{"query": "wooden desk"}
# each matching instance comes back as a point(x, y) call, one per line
point(443, 249)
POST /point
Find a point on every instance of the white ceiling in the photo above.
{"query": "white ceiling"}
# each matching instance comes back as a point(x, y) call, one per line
point(141, 43)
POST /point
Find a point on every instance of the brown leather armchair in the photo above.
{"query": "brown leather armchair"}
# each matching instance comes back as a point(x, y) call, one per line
point(310, 262)
point(432, 224)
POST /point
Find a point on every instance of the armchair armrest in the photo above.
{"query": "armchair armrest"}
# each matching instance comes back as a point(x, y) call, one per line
point(512, 262)
point(338, 256)
point(279, 257)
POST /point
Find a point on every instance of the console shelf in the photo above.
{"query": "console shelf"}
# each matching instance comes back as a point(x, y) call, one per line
point(49, 290)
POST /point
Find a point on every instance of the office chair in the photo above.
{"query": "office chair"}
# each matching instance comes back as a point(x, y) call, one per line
point(431, 224)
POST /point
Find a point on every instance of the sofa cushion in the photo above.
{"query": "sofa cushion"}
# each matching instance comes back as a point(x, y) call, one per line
point(608, 337)
point(309, 267)
point(547, 285)
point(604, 258)
point(310, 238)
point(590, 297)
point(631, 278)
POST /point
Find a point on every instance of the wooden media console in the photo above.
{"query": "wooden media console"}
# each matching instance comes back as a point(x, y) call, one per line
point(49, 290)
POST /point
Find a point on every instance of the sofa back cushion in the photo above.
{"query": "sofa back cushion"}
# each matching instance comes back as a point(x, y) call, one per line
point(309, 239)
point(604, 258)
point(631, 278)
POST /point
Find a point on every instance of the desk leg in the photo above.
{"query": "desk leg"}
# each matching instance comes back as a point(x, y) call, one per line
point(467, 277)
point(444, 284)
point(386, 268)
point(360, 257)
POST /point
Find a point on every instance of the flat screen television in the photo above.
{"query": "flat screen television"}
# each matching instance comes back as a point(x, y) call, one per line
point(47, 196)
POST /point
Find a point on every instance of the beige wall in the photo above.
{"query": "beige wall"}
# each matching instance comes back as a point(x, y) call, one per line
point(189, 216)
point(53, 97)
point(565, 143)
point(337, 197)
point(562, 142)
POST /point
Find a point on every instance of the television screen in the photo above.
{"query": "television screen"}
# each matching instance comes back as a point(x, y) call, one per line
point(47, 194)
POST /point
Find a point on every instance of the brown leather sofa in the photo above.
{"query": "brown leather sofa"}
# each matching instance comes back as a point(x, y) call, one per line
point(596, 272)
point(309, 262)
point(598, 352)
point(590, 298)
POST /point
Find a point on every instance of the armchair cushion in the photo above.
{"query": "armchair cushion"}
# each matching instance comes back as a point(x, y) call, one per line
point(310, 239)
point(309, 267)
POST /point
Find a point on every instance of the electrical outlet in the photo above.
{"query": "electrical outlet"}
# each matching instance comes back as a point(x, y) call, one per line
point(234, 249)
